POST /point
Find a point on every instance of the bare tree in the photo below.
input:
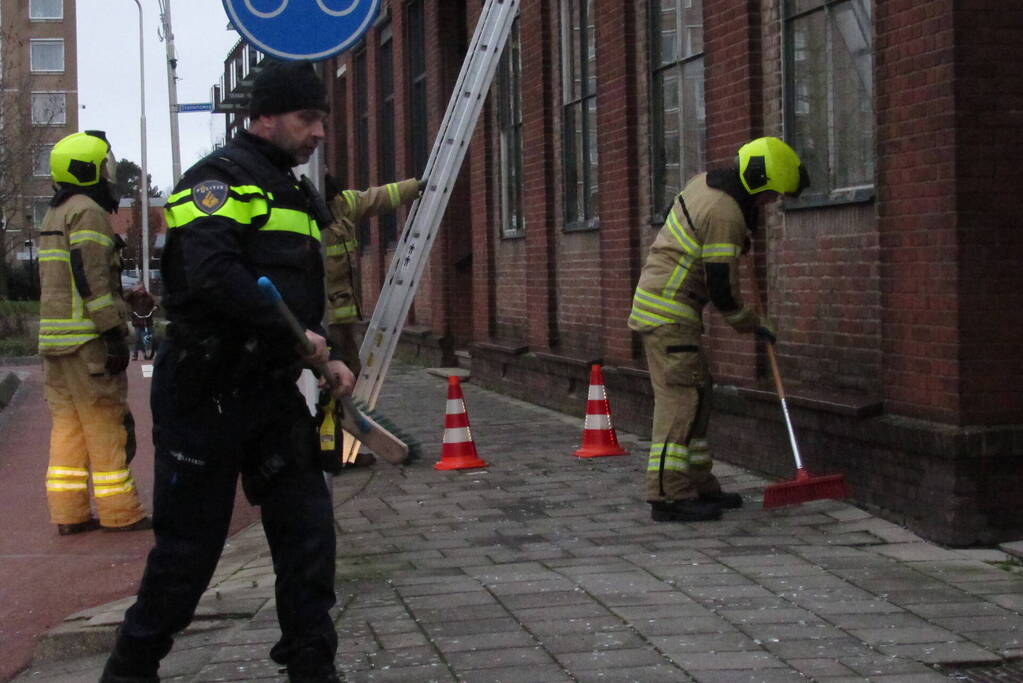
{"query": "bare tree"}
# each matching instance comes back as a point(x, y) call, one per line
point(25, 136)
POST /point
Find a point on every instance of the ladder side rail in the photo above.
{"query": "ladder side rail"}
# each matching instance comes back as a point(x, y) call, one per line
point(411, 255)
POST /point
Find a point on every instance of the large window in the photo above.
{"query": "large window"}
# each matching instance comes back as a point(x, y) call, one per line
point(361, 134)
point(829, 95)
point(579, 112)
point(47, 55)
point(41, 160)
point(385, 128)
point(416, 55)
point(46, 10)
point(509, 131)
point(49, 108)
point(678, 115)
point(40, 205)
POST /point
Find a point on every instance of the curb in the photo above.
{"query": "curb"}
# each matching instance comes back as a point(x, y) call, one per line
point(9, 383)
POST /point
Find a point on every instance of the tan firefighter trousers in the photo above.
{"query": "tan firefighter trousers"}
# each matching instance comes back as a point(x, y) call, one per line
point(89, 436)
point(680, 465)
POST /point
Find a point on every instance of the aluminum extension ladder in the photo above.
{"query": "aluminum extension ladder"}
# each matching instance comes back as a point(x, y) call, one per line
point(413, 249)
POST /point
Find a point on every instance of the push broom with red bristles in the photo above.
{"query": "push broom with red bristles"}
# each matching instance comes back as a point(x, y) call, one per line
point(805, 487)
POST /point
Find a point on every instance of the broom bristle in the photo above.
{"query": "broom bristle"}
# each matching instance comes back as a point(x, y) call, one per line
point(805, 488)
point(414, 446)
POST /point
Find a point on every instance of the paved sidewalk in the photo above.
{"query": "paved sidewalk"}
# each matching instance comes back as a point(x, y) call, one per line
point(545, 567)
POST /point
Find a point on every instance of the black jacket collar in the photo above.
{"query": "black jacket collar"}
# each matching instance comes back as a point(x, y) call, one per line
point(276, 156)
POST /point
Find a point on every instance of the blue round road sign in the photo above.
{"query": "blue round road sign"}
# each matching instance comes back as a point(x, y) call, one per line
point(302, 29)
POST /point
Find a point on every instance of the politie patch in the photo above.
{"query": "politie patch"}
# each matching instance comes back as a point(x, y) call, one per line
point(209, 195)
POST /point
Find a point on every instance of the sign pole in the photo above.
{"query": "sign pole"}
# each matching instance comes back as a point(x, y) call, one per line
point(172, 88)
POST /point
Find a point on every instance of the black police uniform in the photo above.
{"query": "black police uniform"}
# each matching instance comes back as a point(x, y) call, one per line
point(225, 402)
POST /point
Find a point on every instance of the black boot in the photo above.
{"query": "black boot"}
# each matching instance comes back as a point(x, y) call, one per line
point(728, 501)
point(115, 671)
point(690, 510)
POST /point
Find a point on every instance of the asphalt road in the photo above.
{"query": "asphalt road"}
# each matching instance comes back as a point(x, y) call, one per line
point(45, 577)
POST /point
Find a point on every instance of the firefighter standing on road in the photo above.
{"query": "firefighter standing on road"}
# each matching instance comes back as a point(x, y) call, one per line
point(693, 260)
point(224, 395)
point(82, 341)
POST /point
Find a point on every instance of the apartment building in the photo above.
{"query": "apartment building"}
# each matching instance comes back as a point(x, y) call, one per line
point(894, 282)
point(39, 74)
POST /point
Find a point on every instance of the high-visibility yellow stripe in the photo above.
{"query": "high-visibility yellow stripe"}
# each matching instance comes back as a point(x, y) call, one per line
point(343, 314)
point(115, 476)
point(99, 303)
point(238, 210)
point(346, 247)
point(675, 227)
point(57, 471)
point(678, 276)
point(55, 255)
point(654, 303)
point(290, 220)
point(107, 491)
point(79, 236)
point(721, 250)
point(393, 194)
point(58, 486)
point(674, 455)
point(351, 198)
point(67, 324)
point(65, 339)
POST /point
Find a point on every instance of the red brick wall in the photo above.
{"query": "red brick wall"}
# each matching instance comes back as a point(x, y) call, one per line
point(988, 98)
point(916, 210)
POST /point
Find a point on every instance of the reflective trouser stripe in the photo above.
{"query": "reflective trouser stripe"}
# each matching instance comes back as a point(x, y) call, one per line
point(675, 456)
point(66, 479)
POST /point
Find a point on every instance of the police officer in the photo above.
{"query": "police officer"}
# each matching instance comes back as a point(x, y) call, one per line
point(224, 396)
point(82, 342)
point(693, 260)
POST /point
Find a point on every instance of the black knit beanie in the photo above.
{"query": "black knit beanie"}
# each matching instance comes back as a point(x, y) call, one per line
point(281, 87)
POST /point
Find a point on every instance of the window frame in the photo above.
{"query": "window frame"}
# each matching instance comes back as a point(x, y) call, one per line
point(59, 122)
point(387, 222)
point(34, 42)
point(418, 152)
point(659, 206)
point(570, 103)
point(58, 17)
point(832, 195)
point(508, 99)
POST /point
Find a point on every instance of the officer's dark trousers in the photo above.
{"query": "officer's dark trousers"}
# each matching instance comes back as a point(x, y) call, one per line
point(201, 445)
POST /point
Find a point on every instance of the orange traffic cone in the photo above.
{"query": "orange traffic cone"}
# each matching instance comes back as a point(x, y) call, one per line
point(599, 436)
point(458, 451)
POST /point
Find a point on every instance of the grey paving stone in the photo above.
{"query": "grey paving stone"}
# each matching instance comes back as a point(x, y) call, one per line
point(941, 653)
point(604, 660)
point(499, 658)
point(732, 641)
point(665, 673)
point(726, 661)
point(516, 674)
point(484, 641)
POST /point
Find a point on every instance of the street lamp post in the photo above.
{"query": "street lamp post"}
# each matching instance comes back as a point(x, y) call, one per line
point(143, 184)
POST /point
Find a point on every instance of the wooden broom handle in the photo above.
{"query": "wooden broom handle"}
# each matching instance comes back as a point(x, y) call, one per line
point(758, 306)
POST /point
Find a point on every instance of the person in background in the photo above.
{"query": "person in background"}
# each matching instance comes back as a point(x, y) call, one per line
point(82, 335)
point(694, 259)
point(142, 305)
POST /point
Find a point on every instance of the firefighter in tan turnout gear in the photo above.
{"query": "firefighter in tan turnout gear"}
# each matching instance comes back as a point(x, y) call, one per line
point(693, 260)
point(82, 339)
point(340, 245)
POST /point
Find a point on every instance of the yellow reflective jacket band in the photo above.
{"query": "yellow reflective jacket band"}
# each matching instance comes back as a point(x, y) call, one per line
point(689, 245)
point(393, 194)
point(678, 277)
point(238, 210)
point(351, 198)
point(79, 236)
point(721, 250)
point(58, 471)
point(291, 220)
point(99, 303)
point(674, 455)
point(60, 332)
point(346, 247)
point(653, 310)
point(344, 314)
point(55, 255)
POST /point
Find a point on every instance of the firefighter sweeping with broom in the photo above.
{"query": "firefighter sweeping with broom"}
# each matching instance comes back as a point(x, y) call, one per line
point(693, 260)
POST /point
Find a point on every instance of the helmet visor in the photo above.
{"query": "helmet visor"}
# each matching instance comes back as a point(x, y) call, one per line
point(110, 167)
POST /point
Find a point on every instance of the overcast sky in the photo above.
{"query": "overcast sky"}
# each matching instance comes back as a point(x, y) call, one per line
point(108, 77)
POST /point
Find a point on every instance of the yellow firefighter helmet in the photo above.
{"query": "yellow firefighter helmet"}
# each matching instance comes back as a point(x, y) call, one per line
point(769, 164)
point(82, 159)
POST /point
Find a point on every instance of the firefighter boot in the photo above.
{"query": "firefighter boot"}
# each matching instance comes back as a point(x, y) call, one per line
point(688, 510)
point(72, 529)
point(727, 501)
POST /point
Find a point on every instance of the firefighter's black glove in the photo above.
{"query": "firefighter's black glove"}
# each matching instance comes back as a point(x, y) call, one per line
point(765, 333)
point(330, 187)
point(117, 350)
